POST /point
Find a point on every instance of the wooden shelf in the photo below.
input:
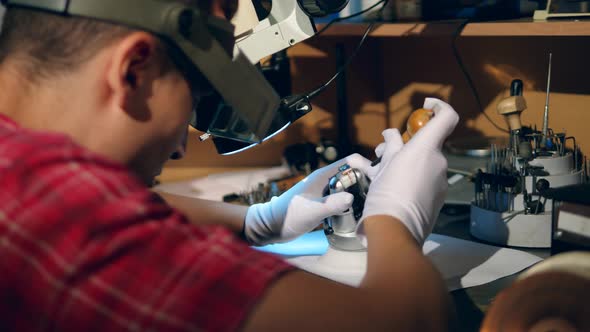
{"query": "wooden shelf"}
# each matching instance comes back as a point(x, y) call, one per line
point(392, 29)
point(526, 27)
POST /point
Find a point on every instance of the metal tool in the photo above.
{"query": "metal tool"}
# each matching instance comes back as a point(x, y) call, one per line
point(546, 113)
point(416, 121)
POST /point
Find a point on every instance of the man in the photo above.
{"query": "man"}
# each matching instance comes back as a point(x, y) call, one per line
point(89, 112)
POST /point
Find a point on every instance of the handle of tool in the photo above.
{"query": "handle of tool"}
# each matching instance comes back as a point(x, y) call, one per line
point(416, 121)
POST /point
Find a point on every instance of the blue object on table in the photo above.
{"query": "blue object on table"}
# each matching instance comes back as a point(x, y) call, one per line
point(549, 143)
point(313, 243)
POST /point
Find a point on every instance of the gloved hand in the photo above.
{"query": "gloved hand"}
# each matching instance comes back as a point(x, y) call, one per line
point(301, 208)
point(410, 183)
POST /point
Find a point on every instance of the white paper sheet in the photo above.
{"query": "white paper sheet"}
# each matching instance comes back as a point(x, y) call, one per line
point(462, 263)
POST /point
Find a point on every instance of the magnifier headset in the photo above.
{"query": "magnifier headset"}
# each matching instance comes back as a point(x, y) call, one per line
point(242, 109)
point(201, 43)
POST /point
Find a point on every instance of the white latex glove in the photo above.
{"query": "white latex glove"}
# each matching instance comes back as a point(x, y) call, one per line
point(410, 183)
point(301, 208)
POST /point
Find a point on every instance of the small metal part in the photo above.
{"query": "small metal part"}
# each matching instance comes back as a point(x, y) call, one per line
point(493, 160)
point(204, 137)
point(478, 188)
point(577, 153)
point(486, 194)
point(546, 112)
point(340, 229)
point(585, 169)
point(525, 150)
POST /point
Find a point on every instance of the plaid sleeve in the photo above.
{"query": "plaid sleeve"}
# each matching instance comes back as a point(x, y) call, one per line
point(85, 247)
point(163, 274)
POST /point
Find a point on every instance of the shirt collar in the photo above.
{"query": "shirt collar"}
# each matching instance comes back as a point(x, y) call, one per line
point(7, 122)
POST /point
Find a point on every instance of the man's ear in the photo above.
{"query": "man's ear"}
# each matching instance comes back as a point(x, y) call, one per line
point(134, 64)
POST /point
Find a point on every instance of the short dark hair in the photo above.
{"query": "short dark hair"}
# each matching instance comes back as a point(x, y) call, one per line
point(44, 45)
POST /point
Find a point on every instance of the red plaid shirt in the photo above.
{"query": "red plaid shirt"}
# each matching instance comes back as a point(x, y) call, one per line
point(85, 247)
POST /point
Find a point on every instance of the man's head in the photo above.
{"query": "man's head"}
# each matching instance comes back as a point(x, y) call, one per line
point(113, 89)
point(52, 44)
